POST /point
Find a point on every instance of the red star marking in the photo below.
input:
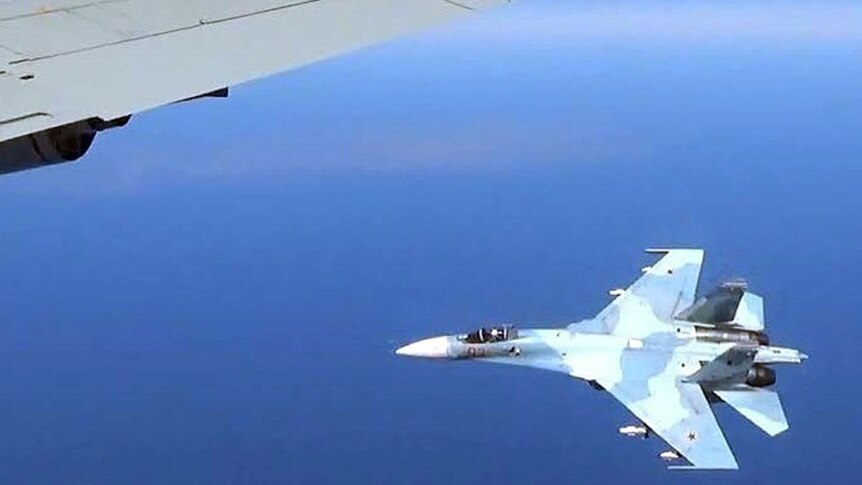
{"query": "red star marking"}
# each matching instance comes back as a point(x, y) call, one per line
point(691, 436)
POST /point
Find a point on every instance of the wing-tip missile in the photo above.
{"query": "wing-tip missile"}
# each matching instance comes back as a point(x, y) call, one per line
point(616, 292)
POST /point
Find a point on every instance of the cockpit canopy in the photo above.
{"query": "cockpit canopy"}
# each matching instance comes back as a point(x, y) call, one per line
point(487, 335)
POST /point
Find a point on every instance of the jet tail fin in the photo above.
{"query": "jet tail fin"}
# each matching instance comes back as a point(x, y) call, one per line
point(729, 304)
point(749, 313)
point(760, 405)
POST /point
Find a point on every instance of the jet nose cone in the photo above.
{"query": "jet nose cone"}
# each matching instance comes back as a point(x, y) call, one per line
point(430, 348)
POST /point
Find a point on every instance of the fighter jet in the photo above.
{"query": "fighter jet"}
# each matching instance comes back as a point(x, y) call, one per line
point(665, 355)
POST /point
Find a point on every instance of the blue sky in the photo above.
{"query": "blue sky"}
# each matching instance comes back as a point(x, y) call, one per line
point(213, 294)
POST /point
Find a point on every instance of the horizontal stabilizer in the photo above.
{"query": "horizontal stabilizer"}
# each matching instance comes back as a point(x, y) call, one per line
point(760, 405)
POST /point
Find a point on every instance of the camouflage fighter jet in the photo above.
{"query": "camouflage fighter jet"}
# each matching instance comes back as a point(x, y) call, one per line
point(665, 355)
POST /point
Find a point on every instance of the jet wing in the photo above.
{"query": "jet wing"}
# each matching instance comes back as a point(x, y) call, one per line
point(649, 305)
point(65, 61)
point(678, 412)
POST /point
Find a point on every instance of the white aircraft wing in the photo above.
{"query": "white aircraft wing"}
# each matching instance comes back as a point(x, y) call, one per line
point(650, 303)
point(67, 61)
point(675, 410)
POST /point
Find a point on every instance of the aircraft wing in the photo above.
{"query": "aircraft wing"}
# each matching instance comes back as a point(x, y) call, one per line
point(675, 410)
point(649, 305)
point(64, 61)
